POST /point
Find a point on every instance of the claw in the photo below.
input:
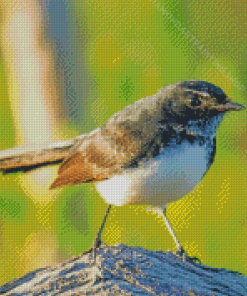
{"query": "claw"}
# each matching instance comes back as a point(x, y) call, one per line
point(185, 257)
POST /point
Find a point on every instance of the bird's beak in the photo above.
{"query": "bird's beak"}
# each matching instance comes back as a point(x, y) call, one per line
point(230, 106)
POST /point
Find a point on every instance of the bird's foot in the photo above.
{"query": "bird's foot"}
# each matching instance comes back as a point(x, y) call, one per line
point(97, 244)
point(185, 257)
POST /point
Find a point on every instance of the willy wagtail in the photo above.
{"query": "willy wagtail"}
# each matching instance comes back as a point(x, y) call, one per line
point(152, 152)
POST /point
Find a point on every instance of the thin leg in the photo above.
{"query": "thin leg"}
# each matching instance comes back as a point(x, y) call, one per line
point(178, 245)
point(180, 250)
point(97, 240)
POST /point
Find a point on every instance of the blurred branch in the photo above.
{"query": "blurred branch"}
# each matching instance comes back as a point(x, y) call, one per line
point(31, 72)
point(34, 92)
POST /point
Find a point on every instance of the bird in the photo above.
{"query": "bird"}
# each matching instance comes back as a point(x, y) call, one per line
point(152, 152)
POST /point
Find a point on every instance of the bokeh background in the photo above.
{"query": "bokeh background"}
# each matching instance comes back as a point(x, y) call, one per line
point(66, 66)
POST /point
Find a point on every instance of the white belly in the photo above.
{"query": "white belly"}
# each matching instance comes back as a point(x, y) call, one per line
point(164, 179)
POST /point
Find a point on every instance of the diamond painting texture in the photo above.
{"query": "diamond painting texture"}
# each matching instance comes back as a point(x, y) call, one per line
point(66, 68)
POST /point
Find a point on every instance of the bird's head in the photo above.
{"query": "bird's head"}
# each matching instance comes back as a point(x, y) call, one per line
point(195, 99)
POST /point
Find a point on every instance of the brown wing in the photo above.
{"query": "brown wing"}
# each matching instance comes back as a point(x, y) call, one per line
point(93, 161)
point(107, 150)
point(78, 171)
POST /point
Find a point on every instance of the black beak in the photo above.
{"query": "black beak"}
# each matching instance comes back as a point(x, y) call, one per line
point(230, 106)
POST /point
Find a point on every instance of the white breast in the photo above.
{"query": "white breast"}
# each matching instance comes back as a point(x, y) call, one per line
point(164, 179)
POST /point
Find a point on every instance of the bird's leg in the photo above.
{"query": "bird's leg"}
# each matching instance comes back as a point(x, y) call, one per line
point(180, 250)
point(97, 241)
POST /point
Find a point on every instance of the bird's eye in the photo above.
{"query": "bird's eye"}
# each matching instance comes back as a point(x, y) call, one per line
point(194, 101)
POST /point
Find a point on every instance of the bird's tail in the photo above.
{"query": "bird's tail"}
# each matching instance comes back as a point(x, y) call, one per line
point(27, 158)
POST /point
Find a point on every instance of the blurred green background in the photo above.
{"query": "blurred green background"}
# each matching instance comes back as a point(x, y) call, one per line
point(116, 53)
